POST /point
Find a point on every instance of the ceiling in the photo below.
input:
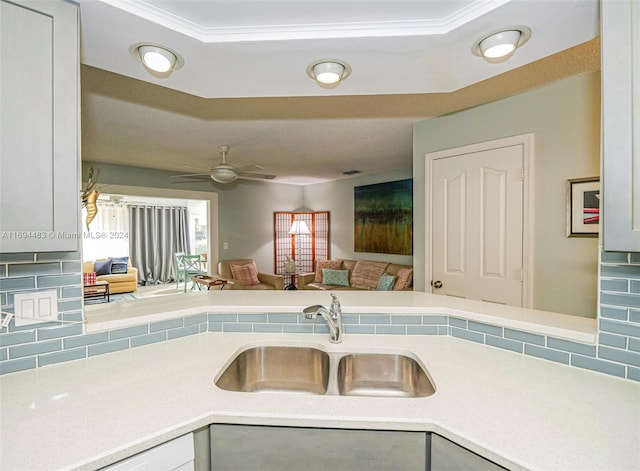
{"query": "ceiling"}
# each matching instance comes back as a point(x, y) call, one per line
point(244, 81)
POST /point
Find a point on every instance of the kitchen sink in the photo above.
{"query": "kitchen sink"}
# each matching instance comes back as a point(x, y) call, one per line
point(382, 374)
point(314, 371)
point(277, 369)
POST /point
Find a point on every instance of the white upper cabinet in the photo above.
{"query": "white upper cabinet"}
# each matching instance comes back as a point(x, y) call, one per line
point(621, 125)
point(39, 126)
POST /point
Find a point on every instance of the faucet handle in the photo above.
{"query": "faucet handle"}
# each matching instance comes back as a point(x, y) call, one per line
point(335, 304)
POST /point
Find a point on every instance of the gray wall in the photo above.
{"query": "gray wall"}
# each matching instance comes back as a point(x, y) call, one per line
point(246, 219)
point(565, 118)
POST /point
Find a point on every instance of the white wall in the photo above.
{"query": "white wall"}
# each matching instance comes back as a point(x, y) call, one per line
point(337, 198)
point(565, 118)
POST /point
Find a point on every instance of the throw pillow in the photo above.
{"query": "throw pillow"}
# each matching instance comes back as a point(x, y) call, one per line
point(335, 277)
point(119, 265)
point(385, 283)
point(366, 274)
point(103, 268)
point(329, 264)
point(405, 278)
point(245, 274)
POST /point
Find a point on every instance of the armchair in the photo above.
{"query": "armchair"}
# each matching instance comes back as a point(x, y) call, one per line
point(246, 275)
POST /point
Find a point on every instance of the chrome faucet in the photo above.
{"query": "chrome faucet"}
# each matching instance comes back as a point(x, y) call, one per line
point(333, 318)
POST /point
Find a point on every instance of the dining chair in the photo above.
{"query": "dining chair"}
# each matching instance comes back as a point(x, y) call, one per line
point(190, 265)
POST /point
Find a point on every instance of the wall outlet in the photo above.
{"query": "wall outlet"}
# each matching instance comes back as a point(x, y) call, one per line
point(35, 307)
point(225, 246)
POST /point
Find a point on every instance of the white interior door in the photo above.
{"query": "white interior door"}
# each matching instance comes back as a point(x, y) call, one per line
point(477, 206)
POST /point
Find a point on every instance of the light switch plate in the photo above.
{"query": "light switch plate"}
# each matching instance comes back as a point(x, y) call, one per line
point(35, 307)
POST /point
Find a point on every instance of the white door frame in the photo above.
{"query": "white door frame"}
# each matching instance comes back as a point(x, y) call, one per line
point(527, 143)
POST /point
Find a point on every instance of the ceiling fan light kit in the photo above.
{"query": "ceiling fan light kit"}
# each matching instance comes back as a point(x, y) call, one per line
point(502, 44)
point(328, 71)
point(226, 173)
point(156, 58)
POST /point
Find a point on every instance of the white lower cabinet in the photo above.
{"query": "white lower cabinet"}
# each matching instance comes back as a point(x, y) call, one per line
point(263, 448)
point(176, 455)
point(447, 456)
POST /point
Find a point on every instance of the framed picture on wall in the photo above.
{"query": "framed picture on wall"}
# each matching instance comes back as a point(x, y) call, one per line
point(583, 207)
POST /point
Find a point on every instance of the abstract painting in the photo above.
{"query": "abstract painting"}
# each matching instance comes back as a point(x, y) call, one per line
point(384, 218)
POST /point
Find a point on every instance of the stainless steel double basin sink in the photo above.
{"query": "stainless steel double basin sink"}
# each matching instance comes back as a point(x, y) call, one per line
point(313, 371)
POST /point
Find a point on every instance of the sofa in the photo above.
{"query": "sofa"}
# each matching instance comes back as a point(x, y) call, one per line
point(342, 274)
point(118, 282)
point(242, 273)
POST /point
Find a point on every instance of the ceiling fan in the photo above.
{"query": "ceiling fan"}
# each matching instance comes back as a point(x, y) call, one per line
point(225, 173)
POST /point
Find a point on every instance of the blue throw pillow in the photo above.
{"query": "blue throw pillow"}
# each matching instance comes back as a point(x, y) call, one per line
point(335, 277)
point(386, 282)
point(103, 268)
point(119, 265)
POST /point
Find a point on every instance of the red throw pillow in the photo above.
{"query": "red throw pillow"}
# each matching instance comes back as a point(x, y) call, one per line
point(245, 274)
point(405, 278)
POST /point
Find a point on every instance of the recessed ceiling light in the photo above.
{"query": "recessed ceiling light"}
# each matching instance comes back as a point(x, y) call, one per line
point(501, 45)
point(328, 72)
point(156, 58)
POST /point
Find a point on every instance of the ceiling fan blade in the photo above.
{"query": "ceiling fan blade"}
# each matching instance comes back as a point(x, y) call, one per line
point(255, 176)
point(190, 175)
point(249, 168)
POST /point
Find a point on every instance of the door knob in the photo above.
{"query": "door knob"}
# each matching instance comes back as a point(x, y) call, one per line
point(436, 284)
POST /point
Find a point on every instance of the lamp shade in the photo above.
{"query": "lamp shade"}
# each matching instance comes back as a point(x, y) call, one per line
point(500, 44)
point(299, 228)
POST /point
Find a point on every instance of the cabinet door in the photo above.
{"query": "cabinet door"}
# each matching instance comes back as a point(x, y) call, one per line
point(446, 456)
point(39, 130)
point(176, 455)
point(621, 125)
point(242, 447)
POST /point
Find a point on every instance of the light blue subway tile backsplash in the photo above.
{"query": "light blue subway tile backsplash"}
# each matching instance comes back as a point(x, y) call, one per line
point(616, 353)
point(506, 344)
point(59, 357)
point(391, 329)
point(594, 364)
point(183, 332)
point(572, 347)
point(547, 354)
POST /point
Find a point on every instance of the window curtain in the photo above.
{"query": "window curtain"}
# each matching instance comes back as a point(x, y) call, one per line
point(157, 233)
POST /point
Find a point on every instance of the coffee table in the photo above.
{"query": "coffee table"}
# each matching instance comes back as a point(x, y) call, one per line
point(208, 281)
point(99, 289)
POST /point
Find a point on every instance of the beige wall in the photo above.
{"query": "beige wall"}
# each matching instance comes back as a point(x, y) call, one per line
point(565, 119)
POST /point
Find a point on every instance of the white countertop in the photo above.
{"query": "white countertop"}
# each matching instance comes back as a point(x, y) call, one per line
point(111, 316)
point(519, 411)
